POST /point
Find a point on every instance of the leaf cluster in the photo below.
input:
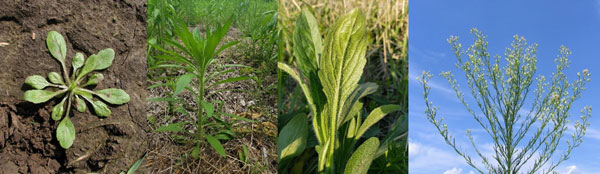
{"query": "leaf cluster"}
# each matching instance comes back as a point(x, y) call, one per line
point(72, 89)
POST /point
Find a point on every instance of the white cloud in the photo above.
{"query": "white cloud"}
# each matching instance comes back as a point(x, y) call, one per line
point(454, 171)
point(593, 133)
point(572, 170)
point(429, 159)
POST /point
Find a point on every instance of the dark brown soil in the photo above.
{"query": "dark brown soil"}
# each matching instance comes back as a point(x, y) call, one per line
point(27, 135)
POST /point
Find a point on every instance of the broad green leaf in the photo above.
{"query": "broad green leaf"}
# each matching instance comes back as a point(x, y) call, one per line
point(216, 144)
point(375, 115)
point(58, 110)
point(80, 104)
point(296, 76)
point(37, 81)
point(65, 133)
point(343, 60)
point(361, 159)
point(350, 104)
point(173, 127)
point(57, 46)
point(182, 82)
point(77, 61)
point(40, 96)
point(292, 137)
point(90, 64)
point(105, 58)
point(95, 79)
point(55, 78)
point(113, 96)
point(100, 108)
point(308, 46)
point(208, 108)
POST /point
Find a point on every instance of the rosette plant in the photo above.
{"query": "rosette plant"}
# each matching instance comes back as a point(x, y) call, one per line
point(72, 90)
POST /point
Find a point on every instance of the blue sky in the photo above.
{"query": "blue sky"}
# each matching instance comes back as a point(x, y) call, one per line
point(575, 24)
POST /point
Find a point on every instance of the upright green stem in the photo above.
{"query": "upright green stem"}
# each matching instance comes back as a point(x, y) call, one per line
point(199, 99)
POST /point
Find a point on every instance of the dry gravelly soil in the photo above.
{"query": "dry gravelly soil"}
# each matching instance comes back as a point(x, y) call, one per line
point(27, 134)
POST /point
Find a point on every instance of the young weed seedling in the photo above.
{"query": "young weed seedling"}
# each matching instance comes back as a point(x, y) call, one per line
point(71, 89)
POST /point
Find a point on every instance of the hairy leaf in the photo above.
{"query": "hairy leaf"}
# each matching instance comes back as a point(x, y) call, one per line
point(58, 110)
point(376, 115)
point(113, 96)
point(78, 61)
point(308, 46)
point(56, 45)
point(95, 79)
point(100, 108)
point(40, 96)
point(80, 104)
point(105, 58)
point(55, 78)
point(37, 81)
point(65, 133)
point(361, 159)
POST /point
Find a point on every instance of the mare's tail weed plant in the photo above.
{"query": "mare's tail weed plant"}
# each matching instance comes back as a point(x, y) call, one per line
point(524, 139)
point(328, 73)
point(195, 56)
point(72, 89)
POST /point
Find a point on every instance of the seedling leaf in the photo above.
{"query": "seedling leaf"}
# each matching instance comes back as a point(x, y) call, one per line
point(105, 58)
point(56, 45)
point(80, 104)
point(113, 96)
point(95, 79)
point(77, 61)
point(58, 110)
point(174, 127)
point(55, 78)
point(37, 81)
point(65, 133)
point(100, 108)
point(39, 96)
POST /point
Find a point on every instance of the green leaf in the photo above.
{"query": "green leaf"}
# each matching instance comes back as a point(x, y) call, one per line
point(208, 108)
point(55, 78)
point(136, 165)
point(100, 108)
point(37, 81)
point(343, 61)
point(95, 79)
point(292, 137)
point(80, 104)
point(65, 133)
point(308, 46)
point(83, 93)
point(361, 159)
point(296, 76)
point(40, 96)
point(56, 45)
point(183, 81)
point(58, 110)
point(196, 151)
point(375, 115)
point(215, 144)
point(89, 66)
point(105, 58)
point(350, 104)
point(77, 61)
point(173, 127)
point(113, 96)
